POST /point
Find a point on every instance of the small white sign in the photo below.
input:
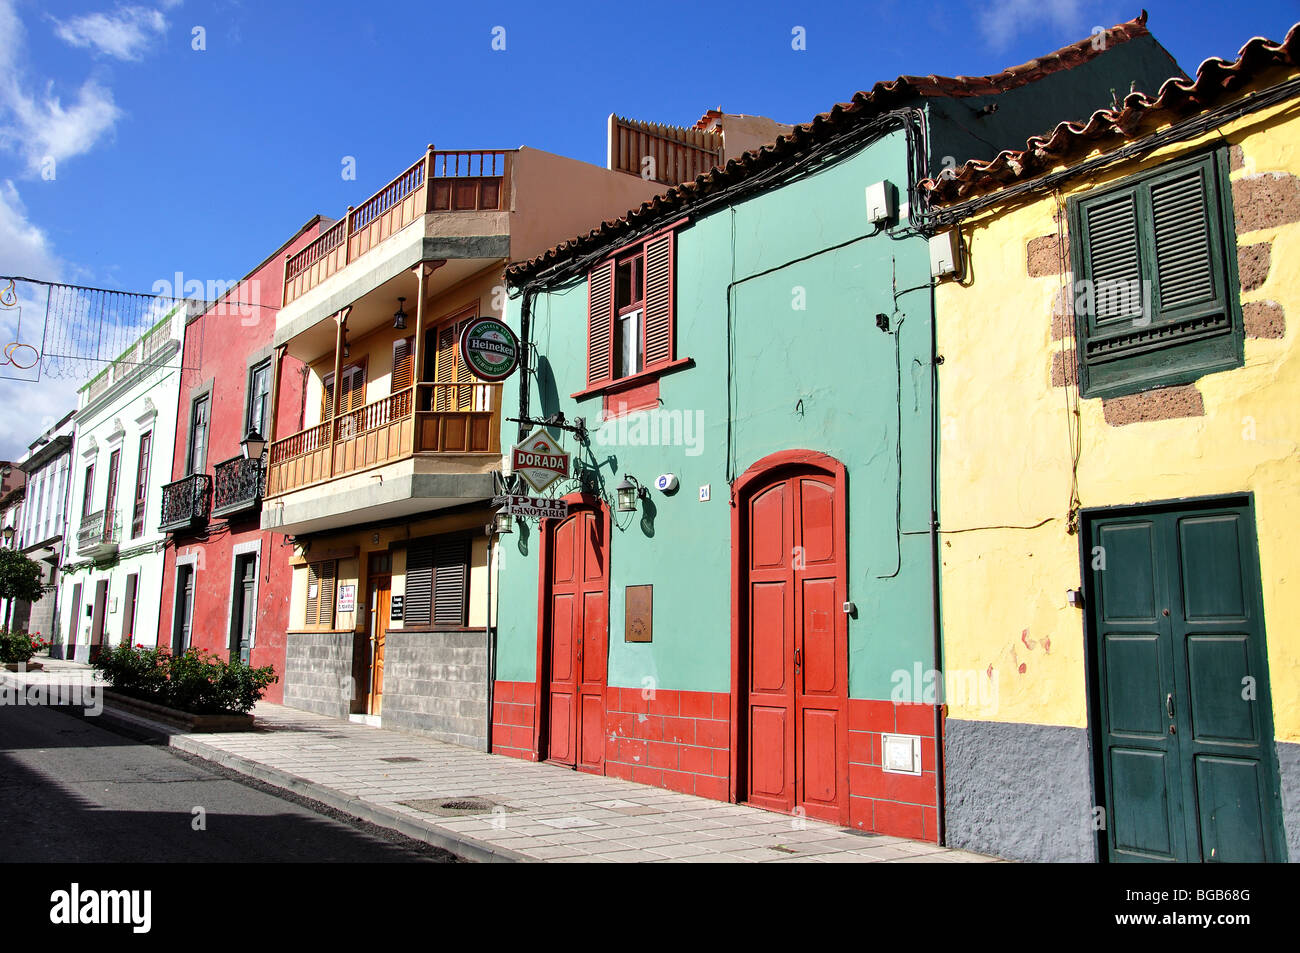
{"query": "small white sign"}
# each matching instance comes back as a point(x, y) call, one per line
point(901, 754)
point(347, 599)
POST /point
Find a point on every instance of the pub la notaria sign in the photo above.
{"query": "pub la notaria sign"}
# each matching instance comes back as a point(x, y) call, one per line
point(539, 460)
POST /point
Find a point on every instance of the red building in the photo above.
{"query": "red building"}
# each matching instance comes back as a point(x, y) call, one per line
point(226, 582)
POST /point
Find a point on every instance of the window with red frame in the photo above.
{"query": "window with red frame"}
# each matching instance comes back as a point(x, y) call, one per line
point(630, 311)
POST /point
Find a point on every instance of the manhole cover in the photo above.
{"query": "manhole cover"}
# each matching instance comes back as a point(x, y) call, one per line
point(456, 806)
point(401, 759)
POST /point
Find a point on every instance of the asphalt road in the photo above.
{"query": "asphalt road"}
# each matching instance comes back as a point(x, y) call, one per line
point(73, 792)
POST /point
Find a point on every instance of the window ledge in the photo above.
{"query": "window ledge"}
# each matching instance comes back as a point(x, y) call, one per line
point(633, 380)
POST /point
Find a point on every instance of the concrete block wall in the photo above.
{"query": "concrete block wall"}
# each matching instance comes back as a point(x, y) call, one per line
point(435, 683)
point(318, 672)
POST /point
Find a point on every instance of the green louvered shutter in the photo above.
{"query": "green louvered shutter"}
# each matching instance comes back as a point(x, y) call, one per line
point(1161, 279)
point(600, 323)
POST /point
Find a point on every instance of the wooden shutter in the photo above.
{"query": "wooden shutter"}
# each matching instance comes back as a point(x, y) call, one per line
point(437, 580)
point(419, 583)
point(451, 579)
point(659, 301)
point(320, 608)
point(327, 399)
point(600, 323)
point(353, 394)
point(403, 366)
point(1114, 258)
point(1163, 233)
point(1185, 257)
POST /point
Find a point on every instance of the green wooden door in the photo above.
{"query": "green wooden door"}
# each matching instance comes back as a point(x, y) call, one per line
point(1185, 718)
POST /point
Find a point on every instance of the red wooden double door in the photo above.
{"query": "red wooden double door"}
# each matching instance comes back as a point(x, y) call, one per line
point(576, 640)
point(793, 641)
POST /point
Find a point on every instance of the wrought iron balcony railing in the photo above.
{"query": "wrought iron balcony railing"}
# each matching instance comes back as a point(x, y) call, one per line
point(98, 533)
point(185, 503)
point(237, 486)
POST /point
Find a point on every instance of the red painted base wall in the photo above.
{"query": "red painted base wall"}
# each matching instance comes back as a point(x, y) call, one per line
point(681, 741)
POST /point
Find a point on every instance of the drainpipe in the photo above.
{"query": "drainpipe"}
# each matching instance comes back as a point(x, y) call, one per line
point(937, 631)
point(490, 641)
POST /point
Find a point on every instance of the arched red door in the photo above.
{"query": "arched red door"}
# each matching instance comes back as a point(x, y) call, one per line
point(793, 642)
point(576, 637)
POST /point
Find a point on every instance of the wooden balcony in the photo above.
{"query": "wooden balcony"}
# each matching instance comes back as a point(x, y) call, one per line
point(431, 417)
point(464, 181)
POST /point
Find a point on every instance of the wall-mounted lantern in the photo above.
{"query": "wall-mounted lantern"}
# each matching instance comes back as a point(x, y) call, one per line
point(628, 491)
point(399, 317)
point(253, 443)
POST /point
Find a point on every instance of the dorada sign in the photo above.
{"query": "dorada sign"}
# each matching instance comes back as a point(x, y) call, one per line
point(539, 460)
point(489, 348)
point(537, 507)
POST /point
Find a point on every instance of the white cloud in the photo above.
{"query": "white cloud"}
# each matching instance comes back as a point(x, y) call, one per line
point(45, 128)
point(27, 250)
point(1002, 21)
point(126, 34)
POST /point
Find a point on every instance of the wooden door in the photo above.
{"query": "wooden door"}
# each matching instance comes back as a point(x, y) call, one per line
point(795, 711)
point(1185, 712)
point(380, 589)
point(98, 618)
point(577, 629)
point(245, 609)
point(74, 623)
point(184, 619)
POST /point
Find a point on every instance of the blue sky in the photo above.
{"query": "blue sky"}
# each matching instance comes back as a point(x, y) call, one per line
point(168, 158)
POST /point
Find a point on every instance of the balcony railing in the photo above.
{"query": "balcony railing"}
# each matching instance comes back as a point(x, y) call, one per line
point(465, 181)
point(432, 417)
point(98, 534)
point(237, 486)
point(185, 503)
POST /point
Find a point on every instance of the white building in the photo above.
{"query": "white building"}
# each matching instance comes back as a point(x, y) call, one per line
point(121, 459)
point(40, 527)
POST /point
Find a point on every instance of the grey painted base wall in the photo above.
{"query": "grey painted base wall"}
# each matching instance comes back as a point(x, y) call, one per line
point(1022, 792)
point(435, 683)
point(1288, 764)
point(318, 672)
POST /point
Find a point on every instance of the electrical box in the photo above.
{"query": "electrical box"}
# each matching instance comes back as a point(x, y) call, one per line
point(900, 754)
point(945, 254)
point(882, 202)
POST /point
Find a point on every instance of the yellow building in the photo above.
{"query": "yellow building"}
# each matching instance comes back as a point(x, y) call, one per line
point(1120, 478)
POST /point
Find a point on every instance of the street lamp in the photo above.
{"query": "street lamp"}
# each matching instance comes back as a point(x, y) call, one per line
point(503, 523)
point(399, 318)
point(628, 491)
point(253, 443)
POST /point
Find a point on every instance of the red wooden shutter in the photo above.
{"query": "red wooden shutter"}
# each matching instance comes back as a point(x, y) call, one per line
point(403, 369)
point(659, 301)
point(600, 323)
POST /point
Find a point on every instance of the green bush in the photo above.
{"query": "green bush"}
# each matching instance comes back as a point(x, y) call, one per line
point(17, 646)
point(195, 681)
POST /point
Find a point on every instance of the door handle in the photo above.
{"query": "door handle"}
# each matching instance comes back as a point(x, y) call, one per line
point(1169, 704)
point(798, 660)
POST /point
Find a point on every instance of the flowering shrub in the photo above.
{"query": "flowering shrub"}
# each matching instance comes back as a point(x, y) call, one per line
point(18, 646)
point(195, 681)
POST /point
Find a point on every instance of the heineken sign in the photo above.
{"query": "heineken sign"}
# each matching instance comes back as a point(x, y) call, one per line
point(539, 460)
point(489, 348)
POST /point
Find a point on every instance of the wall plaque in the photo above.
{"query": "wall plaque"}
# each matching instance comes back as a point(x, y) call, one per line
point(638, 622)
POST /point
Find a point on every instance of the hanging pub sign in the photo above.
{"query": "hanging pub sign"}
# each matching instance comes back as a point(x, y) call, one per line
point(539, 460)
point(489, 348)
point(535, 507)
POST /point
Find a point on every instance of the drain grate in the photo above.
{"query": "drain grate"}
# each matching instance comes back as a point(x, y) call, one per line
point(458, 806)
point(401, 759)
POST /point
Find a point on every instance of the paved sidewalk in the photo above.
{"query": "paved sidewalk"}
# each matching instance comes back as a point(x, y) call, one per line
point(493, 808)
